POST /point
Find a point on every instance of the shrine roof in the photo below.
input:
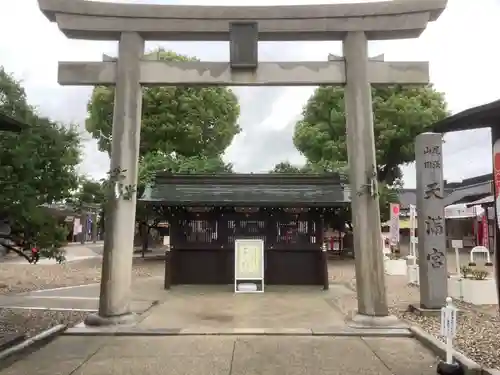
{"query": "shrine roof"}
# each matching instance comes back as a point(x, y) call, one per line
point(249, 189)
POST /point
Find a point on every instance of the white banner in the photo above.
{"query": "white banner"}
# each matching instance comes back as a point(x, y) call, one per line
point(394, 207)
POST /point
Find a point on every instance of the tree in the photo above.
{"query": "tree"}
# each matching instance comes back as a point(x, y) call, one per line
point(287, 167)
point(90, 197)
point(158, 161)
point(324, 166)
point(37, 167)
point(90, 192)
point(400, 114)
point(189, 121)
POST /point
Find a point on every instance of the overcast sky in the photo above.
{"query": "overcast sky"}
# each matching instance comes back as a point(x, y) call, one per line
point(463, 60)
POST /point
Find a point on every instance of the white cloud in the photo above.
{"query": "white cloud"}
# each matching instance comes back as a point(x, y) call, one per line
point(464, 65)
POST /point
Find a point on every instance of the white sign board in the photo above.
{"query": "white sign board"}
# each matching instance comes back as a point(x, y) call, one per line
point(449, 327)
point(248, 264)
point(448, 321)
point(457, 244)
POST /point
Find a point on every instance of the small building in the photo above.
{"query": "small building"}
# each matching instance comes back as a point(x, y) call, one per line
point(207, 213)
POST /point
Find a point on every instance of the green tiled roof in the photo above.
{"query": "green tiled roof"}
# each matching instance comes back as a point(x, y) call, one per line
point(267, 190)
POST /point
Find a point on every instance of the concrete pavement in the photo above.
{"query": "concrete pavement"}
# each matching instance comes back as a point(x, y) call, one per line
point(217, 307)
point(231, 355)
point(210, 330)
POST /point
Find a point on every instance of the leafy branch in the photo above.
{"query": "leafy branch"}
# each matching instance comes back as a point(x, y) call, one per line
point(115, 183)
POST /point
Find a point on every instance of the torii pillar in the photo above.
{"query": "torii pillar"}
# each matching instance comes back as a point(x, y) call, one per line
point(354, 24)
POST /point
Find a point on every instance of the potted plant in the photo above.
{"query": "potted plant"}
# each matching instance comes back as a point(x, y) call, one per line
point(473, 286)
point(394, 265)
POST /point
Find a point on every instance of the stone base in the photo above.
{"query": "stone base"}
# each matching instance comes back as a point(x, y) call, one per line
point(95, 320)
point(422, 311)
point(390, 322)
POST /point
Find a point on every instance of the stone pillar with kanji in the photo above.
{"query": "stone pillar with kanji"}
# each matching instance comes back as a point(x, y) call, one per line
point(431, 221)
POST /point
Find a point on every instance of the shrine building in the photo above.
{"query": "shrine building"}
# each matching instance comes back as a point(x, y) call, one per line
point(207, 213)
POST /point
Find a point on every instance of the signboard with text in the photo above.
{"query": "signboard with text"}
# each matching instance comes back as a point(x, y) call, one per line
point(249, 264)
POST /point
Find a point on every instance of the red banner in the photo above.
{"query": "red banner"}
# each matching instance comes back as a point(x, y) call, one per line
point(484, 225)
point(496, 177)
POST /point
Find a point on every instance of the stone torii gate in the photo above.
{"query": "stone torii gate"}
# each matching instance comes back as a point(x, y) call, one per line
point(243, 27)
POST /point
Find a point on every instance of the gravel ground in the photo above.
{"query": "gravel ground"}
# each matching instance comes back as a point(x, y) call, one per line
point(478, 327)
point(31, 322)
point(18, 278)
point(478, 334)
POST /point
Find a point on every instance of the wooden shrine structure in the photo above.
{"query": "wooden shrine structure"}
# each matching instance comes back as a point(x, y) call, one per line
point(207, 213)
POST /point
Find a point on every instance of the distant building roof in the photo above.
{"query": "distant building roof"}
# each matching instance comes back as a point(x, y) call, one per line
point(408, 197)
point(486, 201)
point(8, 123)
point(470, 189)
point(481, 116)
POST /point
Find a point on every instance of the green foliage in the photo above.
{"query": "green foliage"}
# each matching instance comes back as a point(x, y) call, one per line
point(323, 166)
point(465, 271)
point(479, 274)
point(286, 167)
point(189, 121)
point(90, 192)
point(115, 185)
point(400, 114)
point(158, 161)
point(37, 166)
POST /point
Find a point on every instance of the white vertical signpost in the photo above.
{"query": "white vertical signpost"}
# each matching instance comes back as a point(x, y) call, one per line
point(448, 331)
point(457, 245)
point(248, 266)
point(413, 226)
point(411, 259)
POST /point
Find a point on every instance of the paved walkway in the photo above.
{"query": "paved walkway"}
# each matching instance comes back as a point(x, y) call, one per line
point(218, 307)
point(231, 355)
point(210, 330)
point(206, 330)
